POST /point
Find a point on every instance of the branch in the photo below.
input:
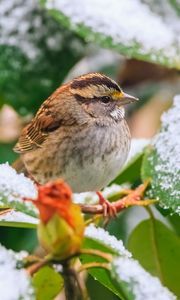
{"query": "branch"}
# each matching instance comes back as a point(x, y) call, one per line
point(36, 266)
point(133, 198)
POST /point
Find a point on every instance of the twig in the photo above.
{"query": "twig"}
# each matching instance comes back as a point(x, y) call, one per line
point(94, 265)
point(133, 198)
point(105, 255)
point(4, 211)
point(35, 267)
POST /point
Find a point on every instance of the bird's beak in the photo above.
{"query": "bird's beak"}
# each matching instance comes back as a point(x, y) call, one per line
point(124, 98)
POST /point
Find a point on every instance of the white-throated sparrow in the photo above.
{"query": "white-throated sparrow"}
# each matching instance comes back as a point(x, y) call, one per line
point(78, 134)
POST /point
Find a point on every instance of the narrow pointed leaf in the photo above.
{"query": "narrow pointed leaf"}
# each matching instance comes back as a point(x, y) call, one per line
point(161, 162)
point(129, 27)
point(157, 248)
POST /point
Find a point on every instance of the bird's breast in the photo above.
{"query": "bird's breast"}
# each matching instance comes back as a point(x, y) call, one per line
point(95, 156)
point(87, 158)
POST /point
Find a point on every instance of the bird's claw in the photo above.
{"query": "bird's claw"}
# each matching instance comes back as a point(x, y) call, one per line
point(109, 211)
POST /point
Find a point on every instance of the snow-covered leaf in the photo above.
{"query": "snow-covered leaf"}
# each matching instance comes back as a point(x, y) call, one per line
point(14, 218)
point(28, 36)
point(162, 161)
point(126, 278)
point(131, 27)
point(109, 241)
point(13, 188)
point(98, 238)
point(15, 284)
point(157, 249)
point(137, 284)
point(175, 4)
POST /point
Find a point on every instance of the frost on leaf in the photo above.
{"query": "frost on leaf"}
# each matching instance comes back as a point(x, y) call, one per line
point(13, 187)
point(15, 284)
point(162, 160)
point(128, 276)
point(138, 283)
point(118, 24)
point(17, 218)
point(110, 241)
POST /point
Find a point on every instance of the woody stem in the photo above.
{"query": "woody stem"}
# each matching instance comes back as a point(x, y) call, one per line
point(94, 265)
point(133, 198)
point(106, 256)
point(36, 266)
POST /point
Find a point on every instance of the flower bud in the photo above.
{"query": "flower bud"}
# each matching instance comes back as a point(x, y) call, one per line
point(61, 226)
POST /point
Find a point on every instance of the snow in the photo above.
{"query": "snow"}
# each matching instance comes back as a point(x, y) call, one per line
point(140, 283)
point(137, 146)
point(92, 198)
point(85, 198)
point(22, 24)
point(102, 236)
point(13, 13)
point(167, 145)
point(13, 187)
point(14, 283)
point(167, 11)
point(125, 269)
point(131, 23)
point(170, 122)
point(18, 217)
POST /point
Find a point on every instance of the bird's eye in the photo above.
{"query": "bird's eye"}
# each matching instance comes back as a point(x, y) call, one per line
point(105, 99)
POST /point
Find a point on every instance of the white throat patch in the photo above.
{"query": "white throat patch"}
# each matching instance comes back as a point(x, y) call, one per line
point(118, 113)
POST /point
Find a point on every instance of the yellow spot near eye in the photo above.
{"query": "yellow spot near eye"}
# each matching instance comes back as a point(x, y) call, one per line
point(117, 95)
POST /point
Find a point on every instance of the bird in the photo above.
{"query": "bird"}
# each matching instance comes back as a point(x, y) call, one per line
point(78, 134)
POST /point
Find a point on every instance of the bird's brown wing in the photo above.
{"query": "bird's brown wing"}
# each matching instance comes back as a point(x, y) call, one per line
point(35, 133)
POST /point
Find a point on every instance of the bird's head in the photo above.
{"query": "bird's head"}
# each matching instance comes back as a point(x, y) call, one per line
point(100, 96)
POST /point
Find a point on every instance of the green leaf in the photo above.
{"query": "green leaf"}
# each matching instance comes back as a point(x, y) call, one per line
point(99, 274)
point(131, 172)
point(19, 205)
point(47, 283)
point(161, 162)
point(14, 188)
point(19, 238)
point(126, 278)
point(7, 153)
point(36, 61)
point(176, 6)
point(175, 222)
point(101, 291)
point(158, 250)
point(135, 283)
point(18, 224)
point(17, 219)
point(98, 238)
point(115, 25)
